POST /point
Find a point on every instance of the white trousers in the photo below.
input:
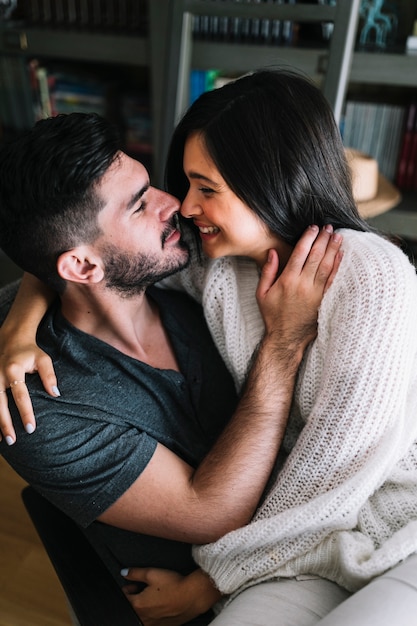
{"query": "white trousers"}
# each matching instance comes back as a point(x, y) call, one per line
point(282, 603)
point(387, 600)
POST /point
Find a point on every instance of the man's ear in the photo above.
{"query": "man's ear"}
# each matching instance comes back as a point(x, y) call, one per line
point(80, 265)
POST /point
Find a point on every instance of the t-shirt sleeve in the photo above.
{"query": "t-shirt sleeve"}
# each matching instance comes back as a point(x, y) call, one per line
point(85, 468)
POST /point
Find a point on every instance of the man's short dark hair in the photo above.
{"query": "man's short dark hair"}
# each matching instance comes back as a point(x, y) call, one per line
point(48, 202)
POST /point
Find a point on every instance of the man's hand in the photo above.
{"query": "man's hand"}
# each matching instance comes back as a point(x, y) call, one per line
point(289, 304)
point(169, 598)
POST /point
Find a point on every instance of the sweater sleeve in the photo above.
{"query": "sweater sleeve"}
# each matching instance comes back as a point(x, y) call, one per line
point(355, 405)
point(231, 312)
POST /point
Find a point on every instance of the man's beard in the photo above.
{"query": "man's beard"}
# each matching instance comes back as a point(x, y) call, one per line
point(132, 274)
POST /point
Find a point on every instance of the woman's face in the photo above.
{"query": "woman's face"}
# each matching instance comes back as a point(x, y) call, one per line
point(227, 226)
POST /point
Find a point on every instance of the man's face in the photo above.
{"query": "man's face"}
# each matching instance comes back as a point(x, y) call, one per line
point(141, 243)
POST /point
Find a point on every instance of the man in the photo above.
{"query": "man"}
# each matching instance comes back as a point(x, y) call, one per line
point(145, 447)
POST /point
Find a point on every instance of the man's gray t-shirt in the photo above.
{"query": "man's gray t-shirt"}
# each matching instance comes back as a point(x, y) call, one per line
point(93, 441)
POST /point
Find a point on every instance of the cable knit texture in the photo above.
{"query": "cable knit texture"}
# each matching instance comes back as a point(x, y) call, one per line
point(344, 505)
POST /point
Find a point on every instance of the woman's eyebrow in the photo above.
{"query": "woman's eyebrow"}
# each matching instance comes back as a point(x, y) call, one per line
point(196, 175)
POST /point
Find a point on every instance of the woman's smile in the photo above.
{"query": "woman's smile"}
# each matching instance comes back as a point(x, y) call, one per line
point(206, 231)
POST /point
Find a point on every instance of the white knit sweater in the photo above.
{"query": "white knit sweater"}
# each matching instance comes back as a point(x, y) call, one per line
point(344, 505)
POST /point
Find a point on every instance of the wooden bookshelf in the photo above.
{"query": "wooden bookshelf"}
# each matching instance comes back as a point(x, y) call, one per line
point(384, 68)
point(377, 68)
point(240, 58)
point(75, 46)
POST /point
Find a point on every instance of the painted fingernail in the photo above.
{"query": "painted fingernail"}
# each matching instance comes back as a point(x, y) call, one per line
point(9, 440)
point(124, 571)
point(56, 391)
point(29, 428)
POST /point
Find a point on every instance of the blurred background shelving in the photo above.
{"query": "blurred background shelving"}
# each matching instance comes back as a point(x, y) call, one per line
point(118, 55)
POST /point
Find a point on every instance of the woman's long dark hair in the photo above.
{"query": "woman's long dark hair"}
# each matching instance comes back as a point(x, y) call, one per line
point(274, 140)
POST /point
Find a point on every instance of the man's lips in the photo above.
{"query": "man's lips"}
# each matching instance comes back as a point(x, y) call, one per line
point(173, 237)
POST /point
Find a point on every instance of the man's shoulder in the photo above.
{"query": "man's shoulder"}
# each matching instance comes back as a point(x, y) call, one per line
point(75, 457)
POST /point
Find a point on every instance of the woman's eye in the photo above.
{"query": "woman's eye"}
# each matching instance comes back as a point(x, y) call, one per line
point(206, 190)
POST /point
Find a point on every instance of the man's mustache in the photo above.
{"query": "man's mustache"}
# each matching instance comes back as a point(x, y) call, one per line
point(172, 226)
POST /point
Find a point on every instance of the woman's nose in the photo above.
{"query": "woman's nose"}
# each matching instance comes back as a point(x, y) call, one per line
point(189, 208)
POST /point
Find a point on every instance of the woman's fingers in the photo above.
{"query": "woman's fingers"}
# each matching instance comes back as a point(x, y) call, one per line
point(330, 261)
point(7, 431)
point(13, 377)
point(268, 274)
point(47, 375)
point(289, 302)
point(336, 265)
point(21, 397)
point(309, 248)
point(315, 253)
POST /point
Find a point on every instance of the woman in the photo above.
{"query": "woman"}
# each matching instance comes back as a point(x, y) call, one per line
point(262, 158)
point(255, 163)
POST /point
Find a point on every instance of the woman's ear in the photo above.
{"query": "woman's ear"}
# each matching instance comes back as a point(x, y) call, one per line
point(80, 265)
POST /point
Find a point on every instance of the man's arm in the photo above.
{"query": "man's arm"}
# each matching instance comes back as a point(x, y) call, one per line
point(19, 353)
point(171, 499)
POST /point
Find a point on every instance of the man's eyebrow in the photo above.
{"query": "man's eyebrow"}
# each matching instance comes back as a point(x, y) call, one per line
point(137, 196)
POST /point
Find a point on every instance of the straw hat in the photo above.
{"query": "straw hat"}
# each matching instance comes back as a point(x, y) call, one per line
point(373, 193)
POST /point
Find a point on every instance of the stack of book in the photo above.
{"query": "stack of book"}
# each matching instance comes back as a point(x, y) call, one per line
point(115, 16)
point(257, 30)
point(56, 91)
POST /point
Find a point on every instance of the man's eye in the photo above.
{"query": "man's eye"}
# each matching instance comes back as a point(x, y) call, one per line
point(141, 207)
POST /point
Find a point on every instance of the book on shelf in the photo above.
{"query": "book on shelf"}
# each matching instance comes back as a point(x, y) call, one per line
point(377, 130)
point(255, 30)
point(410, 181)
point(201, 81)
point(406, 147)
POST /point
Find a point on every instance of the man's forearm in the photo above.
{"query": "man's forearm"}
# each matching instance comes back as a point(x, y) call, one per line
point(245, 453)
point(233, 475)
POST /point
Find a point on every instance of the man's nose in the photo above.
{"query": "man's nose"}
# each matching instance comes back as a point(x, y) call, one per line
point(168, 205)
